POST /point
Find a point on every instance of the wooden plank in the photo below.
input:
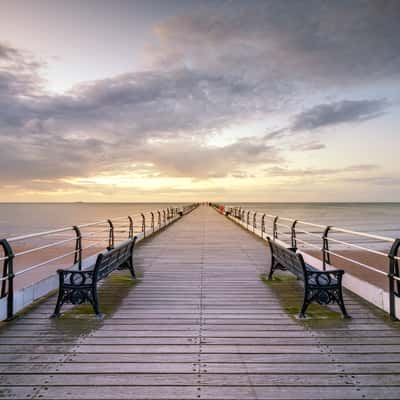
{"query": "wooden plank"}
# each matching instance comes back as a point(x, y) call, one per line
point(200, 325)
point(235, 380)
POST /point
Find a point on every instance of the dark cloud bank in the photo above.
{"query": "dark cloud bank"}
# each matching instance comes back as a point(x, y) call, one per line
point(340, 112)
point(208, 71)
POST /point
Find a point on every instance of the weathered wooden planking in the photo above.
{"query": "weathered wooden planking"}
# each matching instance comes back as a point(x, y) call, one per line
point(200, 325)
point(217, 392)
point(240, 380)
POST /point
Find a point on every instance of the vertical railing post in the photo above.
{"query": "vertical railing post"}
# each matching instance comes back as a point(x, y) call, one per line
point(293, 234)
point(262, 225)
point(164, 217)
point(152, 220)
point(254, 221)
point(143, 225)
point(240, 213)
point(130, 233)
point(8, 272)
point(111, 237)
point(394, 285)
point(159, 219)
point(275, 228)
point(78, 247)
point(248, 219)
point(326, 256)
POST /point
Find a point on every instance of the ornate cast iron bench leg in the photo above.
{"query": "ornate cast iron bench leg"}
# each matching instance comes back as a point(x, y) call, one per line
point(306, 303)
point(131, 268)
point(340, 300)
point(59, 303)
point(95, 304)
point(272, 269)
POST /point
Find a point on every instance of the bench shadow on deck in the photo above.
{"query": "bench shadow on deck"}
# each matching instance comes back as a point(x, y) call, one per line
point(200, 324)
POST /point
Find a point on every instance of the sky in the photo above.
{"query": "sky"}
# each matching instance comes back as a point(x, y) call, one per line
point(169, 100)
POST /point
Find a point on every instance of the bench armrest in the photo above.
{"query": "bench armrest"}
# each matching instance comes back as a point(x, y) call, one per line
point(75, 278)
point(325, 278)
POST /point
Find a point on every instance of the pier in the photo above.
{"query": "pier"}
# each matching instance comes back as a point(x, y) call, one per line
point(200, 322)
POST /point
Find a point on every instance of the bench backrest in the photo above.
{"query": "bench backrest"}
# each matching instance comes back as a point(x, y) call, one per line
point(288, 258)
point(110, 261)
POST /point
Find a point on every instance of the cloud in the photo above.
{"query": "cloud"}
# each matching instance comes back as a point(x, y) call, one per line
point(227, 65)
point(387, 181)
point(157, 117)
point(319, 172)
point(308, 146)
point(345, 111)
point(321, 41)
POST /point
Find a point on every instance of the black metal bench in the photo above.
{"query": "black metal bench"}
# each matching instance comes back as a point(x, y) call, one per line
point(78, 287)
point(322, 287)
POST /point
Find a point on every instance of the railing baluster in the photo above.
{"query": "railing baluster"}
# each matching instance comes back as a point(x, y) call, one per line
point(130, 234)
point(275, 228)
point(293, 234)
point(78, 247)
point(152, 220)
point(326, 256)
point(8, 271)
point(111, 237)
point(394, 286)
point(262, 225)
point(143, 224)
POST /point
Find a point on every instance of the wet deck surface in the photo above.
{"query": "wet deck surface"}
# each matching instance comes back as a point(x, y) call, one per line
point(200, 324)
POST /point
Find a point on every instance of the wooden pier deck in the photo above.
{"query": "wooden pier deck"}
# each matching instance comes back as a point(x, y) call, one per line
point(200, 324)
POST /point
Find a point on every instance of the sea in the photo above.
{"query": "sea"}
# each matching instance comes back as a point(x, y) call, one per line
point(19, 219)
point(25, 218)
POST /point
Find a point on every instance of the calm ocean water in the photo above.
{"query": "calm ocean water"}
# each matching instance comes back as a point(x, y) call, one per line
point(24, 218)
point(377, 218)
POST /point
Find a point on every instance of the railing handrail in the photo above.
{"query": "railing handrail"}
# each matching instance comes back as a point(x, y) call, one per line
point(64, 229)
point(326, 237)
point(335, 228)
point(9, 274)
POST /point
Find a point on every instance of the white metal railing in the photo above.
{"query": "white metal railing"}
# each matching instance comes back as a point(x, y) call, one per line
point(81, 238)
point(305, 235)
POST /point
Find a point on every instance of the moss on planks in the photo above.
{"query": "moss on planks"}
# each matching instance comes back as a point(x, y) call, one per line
point(81, 320)
point(290, 295)
point(111, 293)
